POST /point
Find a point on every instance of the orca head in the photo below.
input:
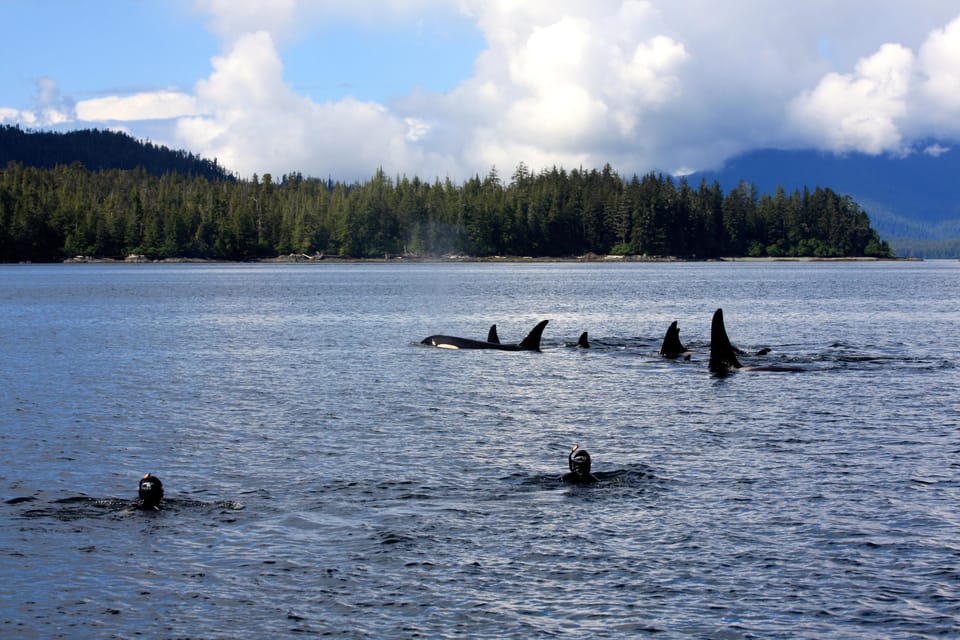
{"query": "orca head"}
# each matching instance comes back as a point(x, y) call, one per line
point(441, 342)
point(150, 492)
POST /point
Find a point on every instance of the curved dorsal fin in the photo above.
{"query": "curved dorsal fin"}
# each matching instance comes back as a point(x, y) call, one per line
point(532, 341)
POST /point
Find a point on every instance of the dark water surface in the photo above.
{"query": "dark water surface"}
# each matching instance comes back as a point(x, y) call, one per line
point(328, 475)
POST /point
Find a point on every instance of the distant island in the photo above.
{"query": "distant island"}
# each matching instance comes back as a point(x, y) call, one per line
point(101, 194)
point(913, 198)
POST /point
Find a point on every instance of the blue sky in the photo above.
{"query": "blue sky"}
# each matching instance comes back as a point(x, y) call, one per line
point(440, 88)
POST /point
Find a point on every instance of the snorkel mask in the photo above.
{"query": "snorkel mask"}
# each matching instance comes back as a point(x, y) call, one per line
point(579, 461)
point(150, 491)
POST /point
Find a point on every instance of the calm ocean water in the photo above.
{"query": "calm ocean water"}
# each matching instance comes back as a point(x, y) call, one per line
point(326, 474)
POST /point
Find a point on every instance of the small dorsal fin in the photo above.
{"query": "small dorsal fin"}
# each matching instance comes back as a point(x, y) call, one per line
point(583, 343)
point(672, 347)
point(492, 335)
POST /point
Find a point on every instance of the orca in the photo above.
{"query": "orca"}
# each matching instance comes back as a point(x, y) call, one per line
point(723, 355)
point(582, 342)
point(530, 343)
point(672, 347)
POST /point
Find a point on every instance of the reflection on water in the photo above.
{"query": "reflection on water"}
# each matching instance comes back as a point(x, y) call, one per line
point(326, 474)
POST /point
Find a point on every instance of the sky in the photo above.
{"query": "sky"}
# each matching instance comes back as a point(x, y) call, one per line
point(455, 88)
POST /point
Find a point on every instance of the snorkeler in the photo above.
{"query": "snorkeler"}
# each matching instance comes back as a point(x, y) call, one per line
point(579, 461)
point(151, 493)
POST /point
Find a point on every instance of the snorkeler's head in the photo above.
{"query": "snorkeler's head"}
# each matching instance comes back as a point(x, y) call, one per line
point(579, 461)
point(151, 491)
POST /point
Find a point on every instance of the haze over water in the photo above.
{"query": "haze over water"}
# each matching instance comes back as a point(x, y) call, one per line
point(327, 474)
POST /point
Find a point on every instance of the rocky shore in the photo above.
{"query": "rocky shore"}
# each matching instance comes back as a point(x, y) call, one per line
point(302, 258)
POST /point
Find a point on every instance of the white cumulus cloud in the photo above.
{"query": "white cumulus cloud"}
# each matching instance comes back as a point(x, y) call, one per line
point(234, 18)
point(254, 122)
point(894, 98)
point(157, 105)
point(563, 83)
point(939, 70)
point(860, 111)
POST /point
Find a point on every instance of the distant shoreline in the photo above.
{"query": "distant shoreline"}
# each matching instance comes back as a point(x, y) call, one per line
point(590, 258)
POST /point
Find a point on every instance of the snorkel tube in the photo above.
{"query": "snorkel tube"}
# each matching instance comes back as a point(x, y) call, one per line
point(570, 457)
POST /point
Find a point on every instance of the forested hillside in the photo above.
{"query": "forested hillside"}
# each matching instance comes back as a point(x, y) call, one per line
point(99, 151)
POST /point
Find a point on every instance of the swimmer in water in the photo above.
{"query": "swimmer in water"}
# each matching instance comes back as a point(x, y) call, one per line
point(579, 461)
point(151, 493)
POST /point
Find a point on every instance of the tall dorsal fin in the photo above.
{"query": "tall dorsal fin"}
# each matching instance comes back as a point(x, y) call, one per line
point(722, 355)
point(532, 341)
point(492, 335)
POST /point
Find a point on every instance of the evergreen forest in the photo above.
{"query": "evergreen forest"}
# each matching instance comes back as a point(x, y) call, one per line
point(49, 213)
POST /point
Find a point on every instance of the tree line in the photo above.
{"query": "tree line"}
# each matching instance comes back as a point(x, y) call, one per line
point(48, 214)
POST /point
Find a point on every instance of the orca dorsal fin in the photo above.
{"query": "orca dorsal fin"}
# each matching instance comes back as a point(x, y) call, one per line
point(492, 335)
point(583, 343)
point(532, 341)
point(672, 347)
point(722, 355)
